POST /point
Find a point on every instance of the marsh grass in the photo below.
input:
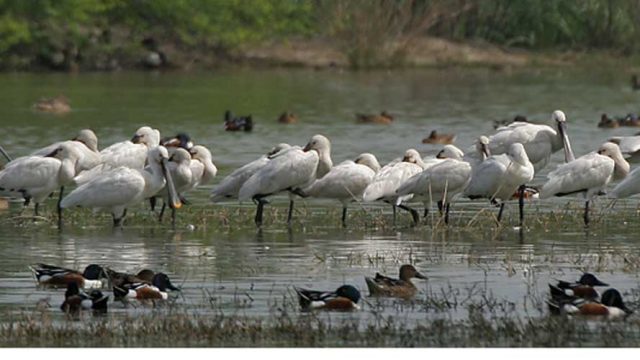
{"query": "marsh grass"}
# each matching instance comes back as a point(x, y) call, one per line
point(283, 328)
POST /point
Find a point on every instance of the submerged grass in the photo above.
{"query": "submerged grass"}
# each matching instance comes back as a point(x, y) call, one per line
point(315, 330)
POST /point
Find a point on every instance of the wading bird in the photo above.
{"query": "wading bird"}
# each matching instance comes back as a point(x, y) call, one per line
point(123, 187)
point(587, 175)
point(290, 170)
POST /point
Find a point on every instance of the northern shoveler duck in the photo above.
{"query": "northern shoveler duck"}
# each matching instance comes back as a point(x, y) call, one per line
point(382, 285)
point(56, 105)
point(436, 138)
point(237, 123)
point(144, 276)
point(181, 139)
point(610, 305)
point(630, 120)
point(345, 298)
point(501, 123)
point(157, 290)
point(93, 277)
point(607, 122)
point(287, 118)
point(383, 118)
point(582, 289)
point(530, 193)
point(76, 300)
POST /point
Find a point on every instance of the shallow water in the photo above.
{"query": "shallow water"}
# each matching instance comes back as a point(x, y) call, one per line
point(241, 270)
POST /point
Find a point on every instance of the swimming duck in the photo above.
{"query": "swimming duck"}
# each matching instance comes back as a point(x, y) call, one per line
point(287, 118)
point(435, 138)
point(501, 123)
point(237, 123)
point(382, 285)
point(610, 305)
point(56, 105)
point(582, 289)
point(157, 290)
point(607, 122)
point(76, 300)
point(92, 277)
point(383, 118)
point(144, 276)
point(181, 139)
point(630, 120)
point(345, 298)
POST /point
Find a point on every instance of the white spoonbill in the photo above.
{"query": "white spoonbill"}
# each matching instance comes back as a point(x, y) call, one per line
point(440, 182)
point(86, 145)
point(229, 187)
point(202, 166)
point(131, 154)
point(629, 146)
point(539, 141)
point(119, 188)
point(36, 177)
point(587, 175)
point(290, 170)
point(499, 176)
point(346, 181)
point(390, 177)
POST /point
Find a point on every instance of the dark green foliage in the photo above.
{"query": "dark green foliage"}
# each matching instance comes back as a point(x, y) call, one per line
point(108, 34)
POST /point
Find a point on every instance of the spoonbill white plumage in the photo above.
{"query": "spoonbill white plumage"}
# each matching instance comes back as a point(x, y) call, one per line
point(539, 141)
point(86, 145)
point(36, 177)
point(587, 175)
point(229, 187)
point(290, 170)
point(440, 182)
point(629, 146)
point(202, 166)
point(390, 177)
point(346, 181)
point(119, 188)
point(499, 176)
point(131, 154)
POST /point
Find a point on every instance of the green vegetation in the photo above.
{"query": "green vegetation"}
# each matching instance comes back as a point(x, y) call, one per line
point(109, 34)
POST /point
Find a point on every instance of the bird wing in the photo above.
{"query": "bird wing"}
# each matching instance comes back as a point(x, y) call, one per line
point(629, 186)
point(30, 172)
point(487, 177)
point(117, 187)
point(586, 172)
point(231, 184)
point(344, 181)
point(387, 181)
point(295, 168)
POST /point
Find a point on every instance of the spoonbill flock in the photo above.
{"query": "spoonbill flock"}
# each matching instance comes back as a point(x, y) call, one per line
point(499, 168)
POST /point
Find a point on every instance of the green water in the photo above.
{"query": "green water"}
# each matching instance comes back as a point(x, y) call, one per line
point(245, 271)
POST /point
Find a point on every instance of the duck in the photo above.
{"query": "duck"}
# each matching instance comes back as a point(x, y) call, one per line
point(181, 139)
point(436, 138)
point(630, 120)
point(500, 123)
point(384, 118)
point(287, 118)
point(76, 300)
point(610, 306)
point(607, 122)
point(583, 288)
point(56, 105)
point(120, 278)
point(345, 298)
point(157, 290)
point(382, 285)
point(93, 277)
point(237, 123)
